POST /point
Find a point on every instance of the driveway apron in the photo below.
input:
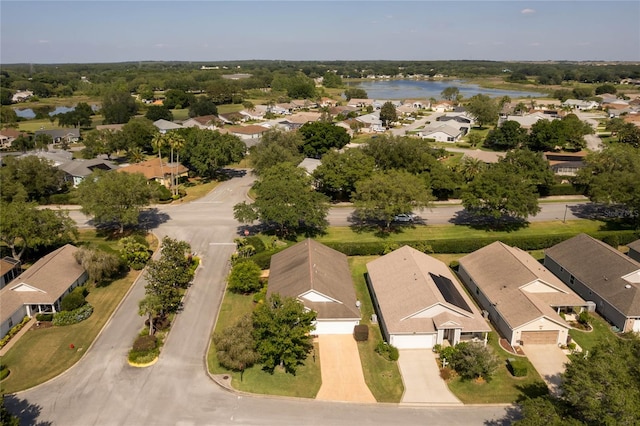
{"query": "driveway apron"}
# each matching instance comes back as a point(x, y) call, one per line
point(422, 381)
point(342, 378)
point(549, 361)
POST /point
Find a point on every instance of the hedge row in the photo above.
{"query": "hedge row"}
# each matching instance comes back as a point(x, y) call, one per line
point(13, 331)
point(565, 189)
point(44, 317)
point(73, 317)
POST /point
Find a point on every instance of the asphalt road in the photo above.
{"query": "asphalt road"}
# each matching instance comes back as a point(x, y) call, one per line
point(102, 389)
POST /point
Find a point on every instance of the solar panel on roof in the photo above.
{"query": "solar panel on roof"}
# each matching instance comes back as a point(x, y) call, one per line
point(449, 291)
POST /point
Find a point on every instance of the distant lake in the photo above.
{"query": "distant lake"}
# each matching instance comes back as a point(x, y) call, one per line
point(426, 89)
point(28, 113)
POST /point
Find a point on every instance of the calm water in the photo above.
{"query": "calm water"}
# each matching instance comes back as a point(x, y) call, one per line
point(424, 89)
point(29, 113)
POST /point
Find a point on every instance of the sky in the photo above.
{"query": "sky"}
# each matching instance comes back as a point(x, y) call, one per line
point(208, 31)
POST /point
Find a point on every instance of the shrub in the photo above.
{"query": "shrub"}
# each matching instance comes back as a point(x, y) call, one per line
point(571, 346)
point(245, 277)
point(517, 367)
point(13, 331)
point(72, 317)
point(361, 333)
point(4, 371)
point(73, 300)
point(612, 240)
point(472, 360)
point(387, 351)
point(44, 317)
point(261, 295)
point(257, 243)
point(145, 343)
point(135, 253)
point(584, 318)
point(446, 373)
point(454, 264)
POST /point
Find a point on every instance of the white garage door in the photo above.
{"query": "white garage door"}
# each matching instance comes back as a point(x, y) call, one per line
point(547, 337)
point(413, 341)
point(636, 325)
point(335, 327)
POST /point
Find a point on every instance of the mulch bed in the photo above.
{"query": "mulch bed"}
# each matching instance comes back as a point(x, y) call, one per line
point(39, 325)
point(507, 347)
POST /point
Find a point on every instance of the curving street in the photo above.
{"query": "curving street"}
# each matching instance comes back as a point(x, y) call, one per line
point(102, 389)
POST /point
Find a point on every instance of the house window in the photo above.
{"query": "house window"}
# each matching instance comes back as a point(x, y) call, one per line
point(561, 269)
point(572, 279)
point(10, 322)
point(477, 290)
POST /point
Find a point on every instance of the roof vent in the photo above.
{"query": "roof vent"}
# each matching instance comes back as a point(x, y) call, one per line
point(627, 286)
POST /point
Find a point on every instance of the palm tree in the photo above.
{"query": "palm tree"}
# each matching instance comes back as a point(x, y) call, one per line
point(176, 142)
point(135, 155)
point(158, 142)
point(471, 167)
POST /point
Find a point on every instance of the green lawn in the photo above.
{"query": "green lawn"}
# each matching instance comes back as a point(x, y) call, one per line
point(600, 333)
point(305, 383)
point(436, 232)
point(40, 355)
point(382, 377)
point(503, 387)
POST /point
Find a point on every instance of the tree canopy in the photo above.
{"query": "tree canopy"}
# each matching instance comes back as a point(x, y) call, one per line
point(339, 171)
point(118, 107)
point(24, 226)
point(206, 152)
point(388, 114)
point(276, 146)
point(282, 331)
point(507, 136)
point(355, 93)
point(29, 178)
point(484, 108)
point(235, 345)
point(158, 112)
point(114, 197)
point(286, 200)
point(319, 138)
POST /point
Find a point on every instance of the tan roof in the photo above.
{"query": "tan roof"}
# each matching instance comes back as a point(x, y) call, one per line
point(247, 130)
point(503, 274)
point(154, 169)
point(112, 127)
point(304, 117)
point(484, 156)
point(7, 264)
point(635, 245)
point(310, 268)
point(46, 280)
point(418, 293)
point(601, 268)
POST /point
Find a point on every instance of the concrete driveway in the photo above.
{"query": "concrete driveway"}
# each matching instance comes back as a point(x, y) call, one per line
point(422, 381)
point(342, 378)
point(549, 361)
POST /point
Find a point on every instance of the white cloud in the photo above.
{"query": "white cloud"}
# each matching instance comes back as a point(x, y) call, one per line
point(527, 11)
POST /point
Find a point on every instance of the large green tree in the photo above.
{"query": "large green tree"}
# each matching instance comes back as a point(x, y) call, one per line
point(35, 177)
point(24, 226)
point(138, 132)
point(206, 152)
point(282, 331)
point(339, 171)
point(530, 166)
point(285, 200)
point(158, 112)
point(388, 193)
point(355, 93)
point(203, 105)
point(114, 197)
point(319, 137)
point(484, 108)
point(235, 345)
point(388, 114)
point(99, 264)
point(275, 147)
point(245, 277)
point(450, 93)
point(118, 106)
point(612, 176)
point(508, 136)
point(498, 192)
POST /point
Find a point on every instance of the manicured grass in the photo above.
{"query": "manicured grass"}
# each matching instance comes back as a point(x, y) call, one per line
point(305, 383)
point(227, 108)
point(503, 387)
point(180, 114)
point(381, 376)
point(437, 232)
point(197, 191)
point(33, 125)
point(588, 339)
point(40, 355)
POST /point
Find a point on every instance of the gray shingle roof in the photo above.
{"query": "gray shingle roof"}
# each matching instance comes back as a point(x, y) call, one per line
point(502, 273)
point(404, 282)
point(601, 268)
point(313, 267)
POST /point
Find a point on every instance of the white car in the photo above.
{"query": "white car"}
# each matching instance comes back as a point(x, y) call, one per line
point(403, 217)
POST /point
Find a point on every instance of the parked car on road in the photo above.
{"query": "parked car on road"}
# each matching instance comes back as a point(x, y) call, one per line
point(404, 217)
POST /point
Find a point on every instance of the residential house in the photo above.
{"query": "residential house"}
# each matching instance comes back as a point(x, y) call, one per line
point(442, 106)
point(297, 120)
point(57, 157)
point(419, 303)
point(442, 133)
point(76, 170)
point(371, 122)
point(8, 135)
point(523, 299)
point(40, 288)
point(112, 127)
point(231, 117)
point(21, 96)
point(256, 113)
point(157, 170)
point(487, 157)
point(10, 268)
point(61, 135)
point(205, 122)
point(580, 104)
point(566, 163)
point(248, 132)
point(327, 102)
point(309, 165)
point(634, 250)
point(319, 277)
point(165, 125)
point(600, 274)
point(360, 103)
point(526, 121)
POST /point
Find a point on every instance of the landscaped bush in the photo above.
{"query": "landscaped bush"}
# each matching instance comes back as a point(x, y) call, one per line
point(612, 240)
point(257, 243)
point(13, 331)
point(261, 295)
point(73, 300)
point(145, 343)
point(44, 317)
point(72, 317)
point(387, 351)
point(584, 318)
point(565, 189)
point(473, 361)
point(517, 367)
point(245, 277)
point(361, 332)
point(4, 371)
point(134, 252)
point(446, 373)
